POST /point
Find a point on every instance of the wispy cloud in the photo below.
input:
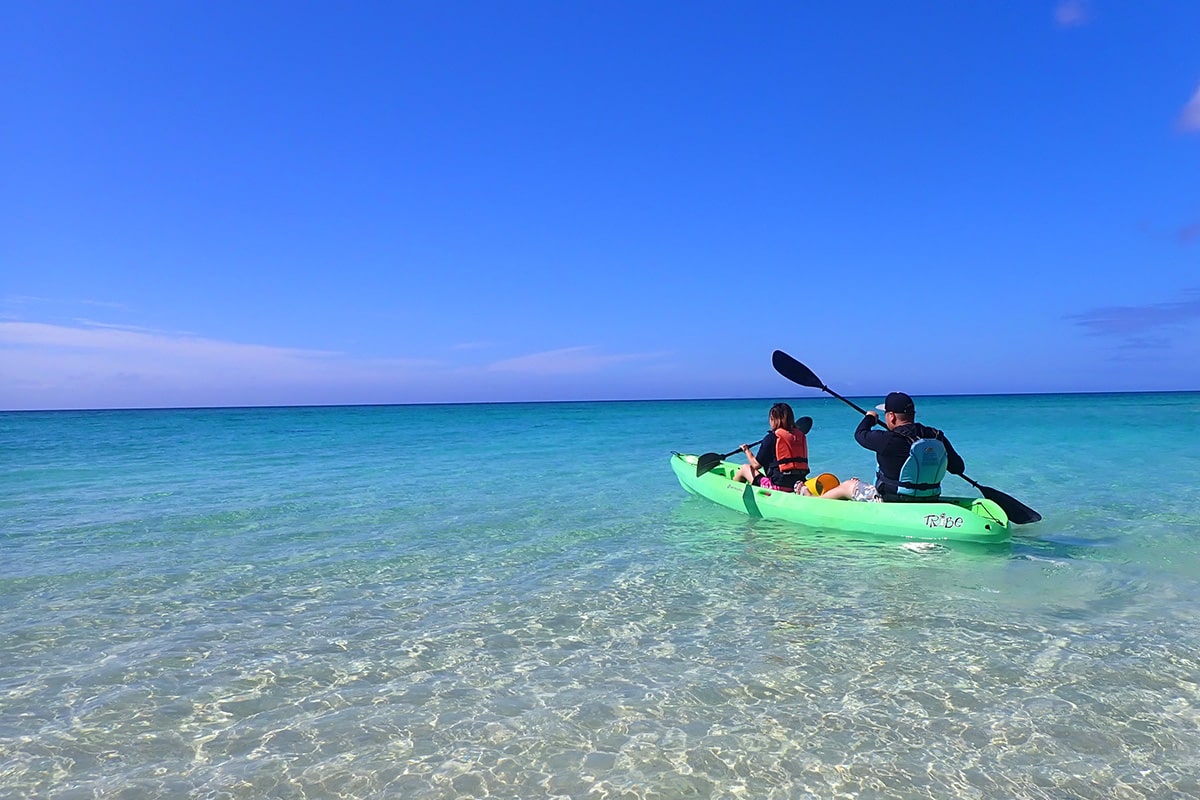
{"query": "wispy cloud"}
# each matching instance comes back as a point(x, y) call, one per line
point(1145, 343)
point(93, 364)
point(96, 338)
point(19, 306)
point(1134, 326)
point(567, 360)
point(33, 300)
point(100, 365)
point(1072, 13)
point(1189, 118)
point(85, 323)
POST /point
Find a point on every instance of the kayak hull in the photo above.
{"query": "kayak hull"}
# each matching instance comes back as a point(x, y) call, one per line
point(962, 519)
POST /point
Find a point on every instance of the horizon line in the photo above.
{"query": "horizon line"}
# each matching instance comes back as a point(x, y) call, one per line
point(266, 407)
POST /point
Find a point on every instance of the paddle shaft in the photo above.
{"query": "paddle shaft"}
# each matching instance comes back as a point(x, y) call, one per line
point(851, 404)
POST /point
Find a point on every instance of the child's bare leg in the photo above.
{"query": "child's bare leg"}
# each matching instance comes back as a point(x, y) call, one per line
point(745, 474)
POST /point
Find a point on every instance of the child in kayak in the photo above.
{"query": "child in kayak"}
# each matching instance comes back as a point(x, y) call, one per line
point(782, 459)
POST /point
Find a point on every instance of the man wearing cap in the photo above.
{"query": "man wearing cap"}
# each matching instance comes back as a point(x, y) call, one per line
point(893, 447)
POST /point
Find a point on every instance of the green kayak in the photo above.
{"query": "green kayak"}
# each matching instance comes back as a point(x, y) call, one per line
point(961, 519)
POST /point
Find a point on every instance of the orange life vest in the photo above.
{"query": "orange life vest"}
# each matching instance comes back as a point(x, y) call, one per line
point(791, 450)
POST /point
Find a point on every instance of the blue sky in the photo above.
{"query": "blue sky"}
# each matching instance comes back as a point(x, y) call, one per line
point(219, 203)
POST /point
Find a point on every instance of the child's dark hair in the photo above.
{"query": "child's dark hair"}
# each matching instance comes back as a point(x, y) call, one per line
point(782, 414)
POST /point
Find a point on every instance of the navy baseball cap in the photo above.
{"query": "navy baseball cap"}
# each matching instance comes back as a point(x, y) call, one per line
point(897, 402)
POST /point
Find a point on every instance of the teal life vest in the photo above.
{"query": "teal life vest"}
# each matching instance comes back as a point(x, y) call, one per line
point(922, 473)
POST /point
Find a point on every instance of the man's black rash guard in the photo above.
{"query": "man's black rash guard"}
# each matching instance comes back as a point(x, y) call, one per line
point(891, 449)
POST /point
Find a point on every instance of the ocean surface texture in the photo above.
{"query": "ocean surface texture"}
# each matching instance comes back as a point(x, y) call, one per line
point(520, 601)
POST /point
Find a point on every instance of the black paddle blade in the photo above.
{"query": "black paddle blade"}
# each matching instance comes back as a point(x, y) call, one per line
point(804, 425)
point(794, 371)
point(1018, 512)
point(707, 462)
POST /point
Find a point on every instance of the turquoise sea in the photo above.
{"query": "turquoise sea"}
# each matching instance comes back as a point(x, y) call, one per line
point(519, 601)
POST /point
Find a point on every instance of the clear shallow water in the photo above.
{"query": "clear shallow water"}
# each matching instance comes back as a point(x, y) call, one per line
point(308, 603)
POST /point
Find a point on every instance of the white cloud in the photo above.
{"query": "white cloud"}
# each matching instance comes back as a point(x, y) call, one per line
point(1071, 13)
point(1189, 119)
